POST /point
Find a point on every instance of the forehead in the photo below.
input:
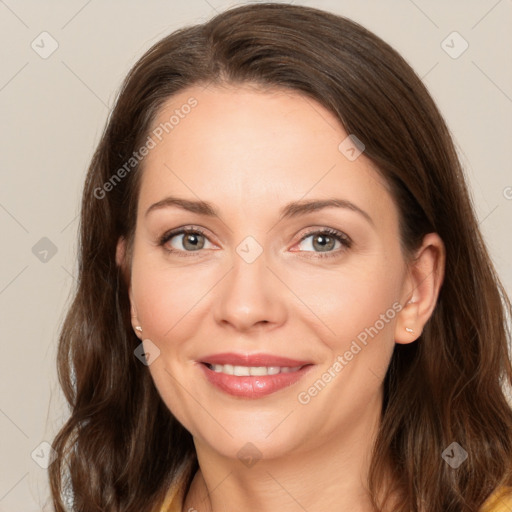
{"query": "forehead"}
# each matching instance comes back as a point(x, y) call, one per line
point(241, 146)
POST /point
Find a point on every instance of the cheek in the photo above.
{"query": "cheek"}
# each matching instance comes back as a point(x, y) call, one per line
point(352, 300)
point(360, 313)
point(164, 295)
point(359, 308)
point(168, 310)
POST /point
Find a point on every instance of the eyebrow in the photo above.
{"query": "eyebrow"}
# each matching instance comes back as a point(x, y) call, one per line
point(291, 210)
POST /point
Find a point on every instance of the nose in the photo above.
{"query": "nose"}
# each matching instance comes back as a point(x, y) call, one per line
point(250, 296)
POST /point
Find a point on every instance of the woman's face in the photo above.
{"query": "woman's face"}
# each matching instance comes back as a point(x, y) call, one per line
point(264, 277)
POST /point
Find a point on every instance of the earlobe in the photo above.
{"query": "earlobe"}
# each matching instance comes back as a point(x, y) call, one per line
point(421, 288)
point(407, 327)
point(135, 320)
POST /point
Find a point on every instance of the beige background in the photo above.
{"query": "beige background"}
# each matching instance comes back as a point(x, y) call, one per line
point(54, 109)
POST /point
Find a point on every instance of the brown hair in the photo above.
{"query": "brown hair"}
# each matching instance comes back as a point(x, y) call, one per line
point(121, 447)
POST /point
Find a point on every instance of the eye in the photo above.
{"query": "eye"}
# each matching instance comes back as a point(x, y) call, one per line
point(189, 240)
point(324, 241)
point(184, 240)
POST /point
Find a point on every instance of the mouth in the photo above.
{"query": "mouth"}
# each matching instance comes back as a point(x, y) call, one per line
point(251, 371)
point(254, 376)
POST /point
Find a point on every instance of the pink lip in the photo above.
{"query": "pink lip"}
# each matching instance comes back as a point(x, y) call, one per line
point(252, 360)
point(253, 386)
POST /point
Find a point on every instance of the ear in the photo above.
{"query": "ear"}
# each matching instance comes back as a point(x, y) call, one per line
point(122, 263)
point(121, 252)
point(421, 289)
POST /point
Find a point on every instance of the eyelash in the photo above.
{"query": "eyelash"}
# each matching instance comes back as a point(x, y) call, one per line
point(337, 235)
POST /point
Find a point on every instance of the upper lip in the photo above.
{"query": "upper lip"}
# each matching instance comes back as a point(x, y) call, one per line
point(252, 360)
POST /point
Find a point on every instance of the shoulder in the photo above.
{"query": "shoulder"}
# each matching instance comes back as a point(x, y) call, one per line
point(499, 501)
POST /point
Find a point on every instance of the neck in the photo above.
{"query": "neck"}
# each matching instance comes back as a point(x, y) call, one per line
point(330, 473)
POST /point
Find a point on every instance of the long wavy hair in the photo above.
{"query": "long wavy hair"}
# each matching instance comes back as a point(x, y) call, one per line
point(121, 447)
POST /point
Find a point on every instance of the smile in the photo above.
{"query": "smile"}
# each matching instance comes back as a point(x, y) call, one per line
point(252, 382)
point(246, 371)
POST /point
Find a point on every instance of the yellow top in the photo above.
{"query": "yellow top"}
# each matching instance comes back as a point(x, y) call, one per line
point(173, 499)
point(499, 501)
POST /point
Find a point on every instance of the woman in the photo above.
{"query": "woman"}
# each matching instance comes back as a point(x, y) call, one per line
point(284, 299)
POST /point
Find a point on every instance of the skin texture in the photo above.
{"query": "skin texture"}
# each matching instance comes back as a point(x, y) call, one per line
point(249, 152)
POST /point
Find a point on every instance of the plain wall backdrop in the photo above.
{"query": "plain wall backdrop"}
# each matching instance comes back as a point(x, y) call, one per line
point(62, 65)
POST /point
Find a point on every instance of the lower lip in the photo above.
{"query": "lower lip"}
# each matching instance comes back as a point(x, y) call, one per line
point(253, 386)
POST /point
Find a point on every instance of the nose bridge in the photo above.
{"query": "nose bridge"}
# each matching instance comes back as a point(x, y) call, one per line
point(250, 292)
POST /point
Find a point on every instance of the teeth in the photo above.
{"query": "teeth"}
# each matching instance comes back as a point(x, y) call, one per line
point(245, 371)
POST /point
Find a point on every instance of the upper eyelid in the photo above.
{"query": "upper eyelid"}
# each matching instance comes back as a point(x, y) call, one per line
point(169, 235)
